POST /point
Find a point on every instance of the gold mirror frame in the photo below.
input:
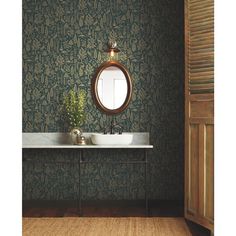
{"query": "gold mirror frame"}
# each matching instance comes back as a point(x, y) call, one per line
point(95, 84)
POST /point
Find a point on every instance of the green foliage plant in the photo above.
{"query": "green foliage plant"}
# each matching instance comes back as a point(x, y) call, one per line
point(74, 103)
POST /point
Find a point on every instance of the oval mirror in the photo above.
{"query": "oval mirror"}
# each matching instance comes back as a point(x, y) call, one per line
point(112, 87)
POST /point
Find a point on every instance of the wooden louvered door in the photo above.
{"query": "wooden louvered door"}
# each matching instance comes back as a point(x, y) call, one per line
point(199, 112)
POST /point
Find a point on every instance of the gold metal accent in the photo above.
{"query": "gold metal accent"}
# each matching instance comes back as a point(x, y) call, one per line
point(81, 140)
point(76, 133)
point(112, 47)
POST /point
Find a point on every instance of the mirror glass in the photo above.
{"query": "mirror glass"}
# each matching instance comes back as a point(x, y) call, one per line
point(112, 87)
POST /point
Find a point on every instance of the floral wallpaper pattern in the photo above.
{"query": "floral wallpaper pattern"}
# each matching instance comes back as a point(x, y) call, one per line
point(63, 44)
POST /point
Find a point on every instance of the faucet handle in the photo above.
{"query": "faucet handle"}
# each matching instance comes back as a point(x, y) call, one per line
point(120, 129)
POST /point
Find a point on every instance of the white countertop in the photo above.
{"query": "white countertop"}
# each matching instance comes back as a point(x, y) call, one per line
point(87, 146)
point(63, 140)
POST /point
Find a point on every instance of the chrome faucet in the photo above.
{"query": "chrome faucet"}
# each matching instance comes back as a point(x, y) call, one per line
point(113, 127)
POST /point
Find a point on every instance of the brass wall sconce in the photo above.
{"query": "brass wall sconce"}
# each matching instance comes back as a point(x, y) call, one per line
point(112, 48)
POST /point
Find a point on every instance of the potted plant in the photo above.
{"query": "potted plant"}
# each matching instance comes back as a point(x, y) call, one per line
point(74, 103)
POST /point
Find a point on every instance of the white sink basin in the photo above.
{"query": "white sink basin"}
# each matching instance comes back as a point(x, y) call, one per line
point(112, 139)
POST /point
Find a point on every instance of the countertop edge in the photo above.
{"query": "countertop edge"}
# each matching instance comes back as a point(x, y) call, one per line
point(86, 146)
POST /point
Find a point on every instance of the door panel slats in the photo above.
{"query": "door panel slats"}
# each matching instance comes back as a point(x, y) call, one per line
point(199, 112)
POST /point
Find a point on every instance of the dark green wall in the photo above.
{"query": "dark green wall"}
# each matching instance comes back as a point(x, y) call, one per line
point(63, 44)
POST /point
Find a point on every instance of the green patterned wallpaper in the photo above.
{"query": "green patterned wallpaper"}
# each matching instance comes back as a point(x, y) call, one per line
point(63, 44)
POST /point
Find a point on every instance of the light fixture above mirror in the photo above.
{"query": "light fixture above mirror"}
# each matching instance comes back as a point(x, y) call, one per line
point(112, 48)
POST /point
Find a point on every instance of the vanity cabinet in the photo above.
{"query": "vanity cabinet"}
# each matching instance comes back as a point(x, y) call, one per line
point(199, 112)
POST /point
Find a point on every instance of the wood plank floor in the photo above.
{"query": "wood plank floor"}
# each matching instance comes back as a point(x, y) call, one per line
point(105, 226)
point(168, 215)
